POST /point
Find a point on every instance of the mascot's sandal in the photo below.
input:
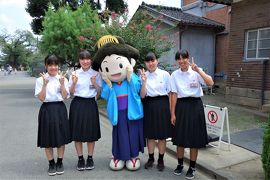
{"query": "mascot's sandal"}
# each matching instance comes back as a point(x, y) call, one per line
point(132, 165)
point(115, 61)
point(116, 164)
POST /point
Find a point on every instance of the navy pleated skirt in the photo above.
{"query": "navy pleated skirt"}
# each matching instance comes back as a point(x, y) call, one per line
point(127, 137)
point(84, 120)
point(53, 125)
point(157, 119)
point(190, 127)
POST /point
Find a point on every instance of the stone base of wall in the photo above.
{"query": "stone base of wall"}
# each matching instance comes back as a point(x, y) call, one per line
point(246, 96)
point(266, 108)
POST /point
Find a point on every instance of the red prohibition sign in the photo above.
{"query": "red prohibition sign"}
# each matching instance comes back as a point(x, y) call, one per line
point(212, 117)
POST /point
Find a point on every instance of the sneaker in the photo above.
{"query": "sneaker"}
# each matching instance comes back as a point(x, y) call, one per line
point(89, 164)
point(149, 163)
point(59, 168)
point(190, 173)
point(160, 165)
point(52, 170)
point(81, 165)
point(178, 170)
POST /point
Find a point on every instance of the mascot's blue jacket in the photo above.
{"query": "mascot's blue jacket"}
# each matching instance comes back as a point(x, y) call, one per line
point(135, 108)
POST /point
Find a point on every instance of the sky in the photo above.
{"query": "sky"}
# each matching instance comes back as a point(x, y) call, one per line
point(13, 15)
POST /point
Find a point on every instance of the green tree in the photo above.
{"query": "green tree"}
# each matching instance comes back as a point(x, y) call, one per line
point(117, 6)
point(18, 47)
point(37, 9)
point(266, 151)
point(35, 58)
point(66, 32)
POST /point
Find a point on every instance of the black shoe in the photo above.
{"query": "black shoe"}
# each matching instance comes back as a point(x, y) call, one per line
point(89, 164)
point(178, 170)
point(52, 170)
point(59, 168)
point(81, 164)
point(160, 165)
point(190, 173)
point(149, 163)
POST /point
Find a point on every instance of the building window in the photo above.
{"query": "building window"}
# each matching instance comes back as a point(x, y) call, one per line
point(257, 45)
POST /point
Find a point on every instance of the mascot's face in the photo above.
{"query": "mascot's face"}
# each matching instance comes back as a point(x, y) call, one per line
point(115, 66)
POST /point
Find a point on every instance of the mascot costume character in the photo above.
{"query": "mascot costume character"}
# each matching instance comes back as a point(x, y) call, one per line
point(115, 61)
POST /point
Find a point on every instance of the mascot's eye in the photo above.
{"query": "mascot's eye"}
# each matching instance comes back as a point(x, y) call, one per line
point(107, 69)
point(121, 65)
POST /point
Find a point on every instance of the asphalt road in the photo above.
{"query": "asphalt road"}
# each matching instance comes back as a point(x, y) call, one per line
point(22, 159)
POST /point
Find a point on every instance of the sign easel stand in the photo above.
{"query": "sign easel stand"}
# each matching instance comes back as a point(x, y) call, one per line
point(214, 117)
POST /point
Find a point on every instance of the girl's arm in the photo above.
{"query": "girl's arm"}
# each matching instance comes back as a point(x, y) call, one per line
point(74, 80)
point(207, 79)
point(173, 98)
point(143, 88)
point(95, 84)
point(42, 95)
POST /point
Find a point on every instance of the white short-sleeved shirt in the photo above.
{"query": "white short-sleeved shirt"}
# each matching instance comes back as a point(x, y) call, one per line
point(157, 83)
point(84, 87)
point(53, 92)
point(187, 84)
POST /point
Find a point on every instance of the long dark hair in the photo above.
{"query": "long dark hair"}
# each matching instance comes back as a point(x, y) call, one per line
point(51, 60)
point(181, 53)
point(150, 56)
point(84, 54)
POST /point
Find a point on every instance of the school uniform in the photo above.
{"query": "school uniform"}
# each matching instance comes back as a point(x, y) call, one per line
point(53, 125)
point(83, 113)
point(157, 124)
point(190, 127)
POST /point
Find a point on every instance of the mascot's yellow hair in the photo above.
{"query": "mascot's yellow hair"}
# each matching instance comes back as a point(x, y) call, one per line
point(107, 39)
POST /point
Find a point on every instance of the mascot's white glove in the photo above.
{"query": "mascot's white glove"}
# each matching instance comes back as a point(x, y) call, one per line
point(106, 79)
point(129, 72)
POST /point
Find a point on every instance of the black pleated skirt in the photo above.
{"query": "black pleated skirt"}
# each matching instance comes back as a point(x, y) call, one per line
point(53, 125)
point(84, 120)
point(190, 127)
point(157, 123)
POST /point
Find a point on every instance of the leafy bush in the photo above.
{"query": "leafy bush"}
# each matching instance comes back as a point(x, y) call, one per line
point(66, 32)
point(266, 151)
point(143, 32)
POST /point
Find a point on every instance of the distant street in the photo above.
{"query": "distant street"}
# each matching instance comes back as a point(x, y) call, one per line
point(21, 159)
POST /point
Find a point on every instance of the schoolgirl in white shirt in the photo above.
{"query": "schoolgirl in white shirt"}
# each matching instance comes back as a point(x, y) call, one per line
point(85, 85)
point(53, 125)
point(155, 93)
point(187, 113)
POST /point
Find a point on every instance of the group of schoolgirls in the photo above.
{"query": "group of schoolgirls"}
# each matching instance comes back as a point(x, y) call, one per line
point(55, 129)
point(172, 108)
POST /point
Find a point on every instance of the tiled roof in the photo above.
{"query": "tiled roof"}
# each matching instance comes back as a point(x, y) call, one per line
point(227, 2)
point(177, 14)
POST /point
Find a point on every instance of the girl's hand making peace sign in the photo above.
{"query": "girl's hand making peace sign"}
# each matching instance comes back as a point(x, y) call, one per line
point(44, 77)
point(94, 79)
point(194, 66)
point(74, 77)
point(62, 77)
point(143, 76)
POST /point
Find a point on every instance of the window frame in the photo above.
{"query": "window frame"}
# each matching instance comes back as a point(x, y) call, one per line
point(257, 45)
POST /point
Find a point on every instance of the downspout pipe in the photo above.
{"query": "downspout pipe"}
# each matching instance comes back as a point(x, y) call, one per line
point(264, 64)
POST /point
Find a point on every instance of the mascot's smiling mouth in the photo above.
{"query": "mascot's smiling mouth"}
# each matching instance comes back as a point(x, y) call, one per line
point(116, 75)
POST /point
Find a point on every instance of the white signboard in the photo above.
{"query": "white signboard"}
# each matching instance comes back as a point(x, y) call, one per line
point(215, 117)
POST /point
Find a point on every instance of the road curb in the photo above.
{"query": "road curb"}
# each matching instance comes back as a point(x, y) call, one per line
point(203, 167)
